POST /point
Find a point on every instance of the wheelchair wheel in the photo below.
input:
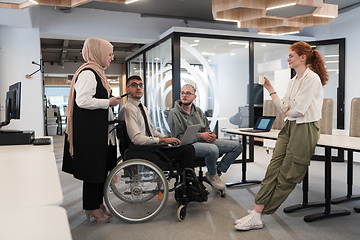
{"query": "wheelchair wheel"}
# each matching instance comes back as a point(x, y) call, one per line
point(181, 213)
point(136, 190)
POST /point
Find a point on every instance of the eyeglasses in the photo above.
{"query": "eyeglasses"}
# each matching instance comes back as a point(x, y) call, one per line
point(289, 57)
point(135, 85)
point(187, 93)
point(111, 55)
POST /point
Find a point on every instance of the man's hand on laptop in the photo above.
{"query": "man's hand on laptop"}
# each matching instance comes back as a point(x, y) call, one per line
point(170, 140)
point(208, 137)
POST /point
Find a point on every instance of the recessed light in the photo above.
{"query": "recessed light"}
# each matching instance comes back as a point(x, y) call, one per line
point(208, 54)
point(281, 6)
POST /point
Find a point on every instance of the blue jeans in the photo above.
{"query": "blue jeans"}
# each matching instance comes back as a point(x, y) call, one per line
point(211, 151)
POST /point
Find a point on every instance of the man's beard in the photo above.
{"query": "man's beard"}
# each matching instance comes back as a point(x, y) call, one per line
point(186, 104)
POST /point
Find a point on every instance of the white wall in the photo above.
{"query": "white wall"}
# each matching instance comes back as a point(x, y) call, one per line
point(19, 47)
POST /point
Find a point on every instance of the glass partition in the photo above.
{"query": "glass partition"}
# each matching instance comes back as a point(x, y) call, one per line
point(159, 85)
point(219, 69)
point(135, 66)
point(330, 54)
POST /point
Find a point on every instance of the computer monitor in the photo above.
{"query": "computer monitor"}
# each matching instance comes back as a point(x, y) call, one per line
point(12, 106)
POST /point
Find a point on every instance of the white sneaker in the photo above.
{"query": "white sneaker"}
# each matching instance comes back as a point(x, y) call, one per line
point(244, 218)
point(215, 181)
point(249, 222)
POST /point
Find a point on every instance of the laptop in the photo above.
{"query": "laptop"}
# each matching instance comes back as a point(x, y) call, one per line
point(263, 124)
point(189, 135)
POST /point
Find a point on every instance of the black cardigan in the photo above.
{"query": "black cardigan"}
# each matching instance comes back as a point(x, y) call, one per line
point(90, 139)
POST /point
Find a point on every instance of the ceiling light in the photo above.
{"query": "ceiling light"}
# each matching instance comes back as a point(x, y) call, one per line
point(263, 45)
point(209, 60)
point(281, 6)
point(324, 16)
point(134, 68)
point(232, 54)
point(270, 34)
point(240, 43)
point(196, 40)
point(130, 1)
point(157, 58)
point(229, 20)
point(313, 46)
point(208, 54)
point(288, 33)
point(331, 55)
point(331, 61)
point(194, 45)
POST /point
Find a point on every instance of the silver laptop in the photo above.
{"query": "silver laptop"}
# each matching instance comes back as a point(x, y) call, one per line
point(189, 135)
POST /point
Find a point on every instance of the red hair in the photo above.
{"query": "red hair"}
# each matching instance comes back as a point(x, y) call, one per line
point(313, 59)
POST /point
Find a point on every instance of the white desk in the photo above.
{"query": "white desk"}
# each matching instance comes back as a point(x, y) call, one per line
point(29, 179)
point(327, 141)
point(27, 148)
point(40, 223)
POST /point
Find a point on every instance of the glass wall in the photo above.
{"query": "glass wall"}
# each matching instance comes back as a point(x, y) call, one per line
point(158, 82)
point(135, 66)
point(219, 69)
point(223, 68)
point(330, 54)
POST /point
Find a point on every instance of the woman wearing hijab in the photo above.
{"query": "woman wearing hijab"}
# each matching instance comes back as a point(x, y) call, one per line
point(302, 104)
point(90, 147)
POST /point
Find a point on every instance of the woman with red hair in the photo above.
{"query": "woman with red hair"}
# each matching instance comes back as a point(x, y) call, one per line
point(302, 104)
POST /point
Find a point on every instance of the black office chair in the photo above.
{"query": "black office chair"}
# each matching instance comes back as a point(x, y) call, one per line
point(136, 190)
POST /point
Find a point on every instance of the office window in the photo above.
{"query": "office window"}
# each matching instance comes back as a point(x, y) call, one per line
point(220, 71)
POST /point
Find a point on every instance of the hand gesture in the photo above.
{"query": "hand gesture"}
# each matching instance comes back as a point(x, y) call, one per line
point(208, 137)
point(114, 101)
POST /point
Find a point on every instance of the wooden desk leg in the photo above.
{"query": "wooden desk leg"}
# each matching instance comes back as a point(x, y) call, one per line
point(243, 163)
point(350, 172)
point(327, 213)
point(305, 204)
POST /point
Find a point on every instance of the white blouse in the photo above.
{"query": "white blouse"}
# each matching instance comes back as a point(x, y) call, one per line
point(304, 98)
point(85, 88)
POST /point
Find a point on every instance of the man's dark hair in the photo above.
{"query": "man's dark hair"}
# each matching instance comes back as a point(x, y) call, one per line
point(134, 77)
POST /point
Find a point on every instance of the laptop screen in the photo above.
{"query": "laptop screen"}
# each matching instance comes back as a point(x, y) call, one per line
point(264, 123)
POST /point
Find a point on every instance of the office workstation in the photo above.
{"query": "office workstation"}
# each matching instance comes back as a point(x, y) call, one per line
point(220, 58)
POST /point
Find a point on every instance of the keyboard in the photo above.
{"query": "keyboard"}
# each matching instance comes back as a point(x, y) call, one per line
point(42, 141)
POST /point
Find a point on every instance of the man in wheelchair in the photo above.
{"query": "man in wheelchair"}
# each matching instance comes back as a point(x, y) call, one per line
point(140, 131)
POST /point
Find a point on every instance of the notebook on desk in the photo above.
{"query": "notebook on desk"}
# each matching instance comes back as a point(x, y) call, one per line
point(263, 124)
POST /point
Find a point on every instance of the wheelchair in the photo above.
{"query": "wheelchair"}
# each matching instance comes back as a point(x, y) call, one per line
point(137, 189)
